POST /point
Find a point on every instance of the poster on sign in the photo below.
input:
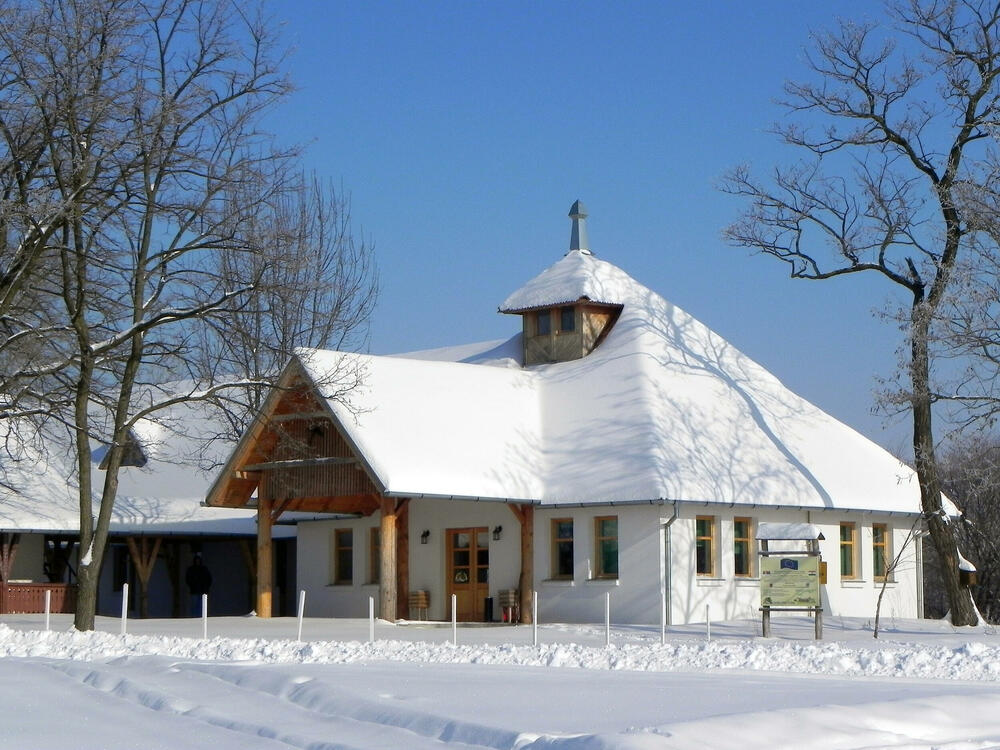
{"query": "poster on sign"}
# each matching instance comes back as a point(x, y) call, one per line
point(789, 581)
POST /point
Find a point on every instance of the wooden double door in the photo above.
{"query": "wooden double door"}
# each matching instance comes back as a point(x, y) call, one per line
point(468, 572)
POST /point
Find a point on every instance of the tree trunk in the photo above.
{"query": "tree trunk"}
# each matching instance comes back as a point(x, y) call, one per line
point(86, 598)
point(942, 535)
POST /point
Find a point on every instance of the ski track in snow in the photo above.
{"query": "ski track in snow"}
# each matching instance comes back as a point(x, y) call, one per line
point(250, 689)
point(297, 713)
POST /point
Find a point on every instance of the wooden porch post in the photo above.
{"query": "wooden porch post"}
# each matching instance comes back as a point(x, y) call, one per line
point(402, 557)
point(8, 551)
point(525, 515)
point(248, 560)
point(264, 554)
point(387, 561)
point(143, 561)
point(172, 551)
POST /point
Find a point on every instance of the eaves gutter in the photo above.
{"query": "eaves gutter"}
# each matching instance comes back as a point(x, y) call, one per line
point(646, 501)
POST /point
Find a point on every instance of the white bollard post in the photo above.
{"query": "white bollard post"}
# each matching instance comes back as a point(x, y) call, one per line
point(371, 619)
point(454, 620)
point(663, 618)
point(302, 610)
point(534, 618)
point(204, 616)
point(48, 607)
point(124, 606)
point(607, 618)
point(708, 624)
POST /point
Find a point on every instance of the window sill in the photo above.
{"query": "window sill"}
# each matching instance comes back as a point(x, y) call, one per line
point(853, 583)
point(559, 582)
point(747, 580)
point(342, 585)
point(602, 582)
point(710, 581)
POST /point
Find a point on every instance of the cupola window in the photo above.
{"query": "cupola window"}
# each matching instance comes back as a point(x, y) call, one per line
point(567, 319)
point(544, 323)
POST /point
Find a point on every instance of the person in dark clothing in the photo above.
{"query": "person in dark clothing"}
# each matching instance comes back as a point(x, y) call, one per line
point(199, 581)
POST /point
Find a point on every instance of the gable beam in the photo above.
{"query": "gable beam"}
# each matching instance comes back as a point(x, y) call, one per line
point(302, 463)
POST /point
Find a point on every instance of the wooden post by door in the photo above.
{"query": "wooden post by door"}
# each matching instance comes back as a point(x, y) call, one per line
point(263, 551)
point(402, 557)
point(387, 561)
point(526, 517)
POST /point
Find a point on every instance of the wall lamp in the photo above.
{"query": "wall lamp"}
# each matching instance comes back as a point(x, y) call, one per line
point(497, 533)
point(425, 535)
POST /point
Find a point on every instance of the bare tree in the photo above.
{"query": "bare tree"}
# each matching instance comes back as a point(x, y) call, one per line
point(317, 288)
point(134, 173)
point(889, 566)
point(970, 475)
point(898, 125)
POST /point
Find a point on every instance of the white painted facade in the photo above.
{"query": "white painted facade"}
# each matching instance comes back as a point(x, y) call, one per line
point(649, 536)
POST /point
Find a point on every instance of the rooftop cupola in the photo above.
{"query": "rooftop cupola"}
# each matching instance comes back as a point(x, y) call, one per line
point(578, 235)
point(568, 309)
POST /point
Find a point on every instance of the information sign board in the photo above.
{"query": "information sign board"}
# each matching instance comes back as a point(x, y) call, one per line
point(789, 581)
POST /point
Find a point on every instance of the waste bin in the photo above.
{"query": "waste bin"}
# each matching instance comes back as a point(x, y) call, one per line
point(488, 609)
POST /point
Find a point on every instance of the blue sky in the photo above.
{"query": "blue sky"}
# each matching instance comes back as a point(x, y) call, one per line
point(463, 131)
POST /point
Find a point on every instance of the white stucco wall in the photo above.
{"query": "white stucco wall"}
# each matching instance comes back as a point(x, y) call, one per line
point(427, 561)
point(646, 539)
point(730, 597)
point(635, 594)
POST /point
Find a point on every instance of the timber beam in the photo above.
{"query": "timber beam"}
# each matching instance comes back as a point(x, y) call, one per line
point(143, 560)
point(525, 515)
point(301, 463)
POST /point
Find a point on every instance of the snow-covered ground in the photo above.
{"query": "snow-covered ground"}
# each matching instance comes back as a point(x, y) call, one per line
point(252, 685)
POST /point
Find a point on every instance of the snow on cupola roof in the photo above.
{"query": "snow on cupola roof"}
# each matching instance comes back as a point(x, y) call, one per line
point(577, 275)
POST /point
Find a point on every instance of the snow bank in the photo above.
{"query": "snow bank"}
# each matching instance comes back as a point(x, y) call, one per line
point(977, 661)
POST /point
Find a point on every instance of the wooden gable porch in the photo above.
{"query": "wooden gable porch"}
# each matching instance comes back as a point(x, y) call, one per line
point(297, 456)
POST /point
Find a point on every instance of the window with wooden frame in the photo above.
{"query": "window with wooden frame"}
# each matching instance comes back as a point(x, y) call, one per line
point(606, 546)
point(881, 551)
point(562, 548)
point(343, 556)
point(743, 547)
point(704, 545)
point(848, 550)
point(543, 322)
point(374, 554)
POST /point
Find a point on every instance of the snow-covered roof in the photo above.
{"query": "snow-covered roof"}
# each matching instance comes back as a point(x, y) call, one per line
point(662, 410)
point(162, 497)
